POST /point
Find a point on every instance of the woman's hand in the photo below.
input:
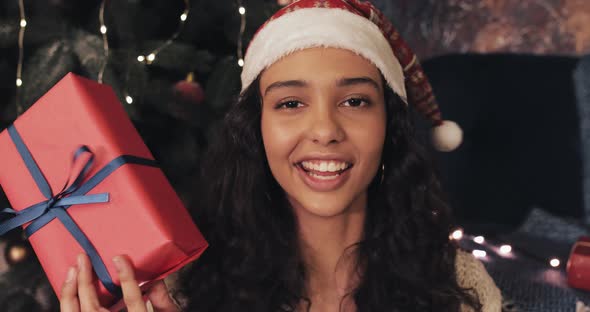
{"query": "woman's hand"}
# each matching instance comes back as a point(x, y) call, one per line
point(78, 294)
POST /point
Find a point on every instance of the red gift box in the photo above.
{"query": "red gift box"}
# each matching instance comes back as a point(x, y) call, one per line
point(578, 264)
point(143, 218)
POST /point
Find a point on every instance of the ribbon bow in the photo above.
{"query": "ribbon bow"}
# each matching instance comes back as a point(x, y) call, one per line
point(71, 194)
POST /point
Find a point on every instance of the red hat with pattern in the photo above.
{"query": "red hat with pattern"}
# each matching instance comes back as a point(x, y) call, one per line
point(361, 28)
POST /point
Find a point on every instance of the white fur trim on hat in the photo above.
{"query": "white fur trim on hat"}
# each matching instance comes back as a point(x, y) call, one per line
point(322, 27)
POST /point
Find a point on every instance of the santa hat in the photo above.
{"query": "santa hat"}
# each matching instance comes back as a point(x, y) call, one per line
point(359, 27)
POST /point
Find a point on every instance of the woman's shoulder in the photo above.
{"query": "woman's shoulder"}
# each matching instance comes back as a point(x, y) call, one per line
point(472, 274)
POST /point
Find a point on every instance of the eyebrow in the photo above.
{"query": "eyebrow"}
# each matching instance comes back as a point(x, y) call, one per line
point(343, 82)
point(286, 83)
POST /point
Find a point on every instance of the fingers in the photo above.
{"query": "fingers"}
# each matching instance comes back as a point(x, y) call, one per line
point(79, 293)
point(131, 292)
point(68, 301)
point(160, 298)
point(86, 289)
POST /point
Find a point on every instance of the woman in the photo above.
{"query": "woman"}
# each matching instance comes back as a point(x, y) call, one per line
point(317, 196)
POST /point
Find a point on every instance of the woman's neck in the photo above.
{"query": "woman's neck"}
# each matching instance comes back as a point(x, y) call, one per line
point(331, 265)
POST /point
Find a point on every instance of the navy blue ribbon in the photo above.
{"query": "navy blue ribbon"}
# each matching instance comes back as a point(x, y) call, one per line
point(71, 194)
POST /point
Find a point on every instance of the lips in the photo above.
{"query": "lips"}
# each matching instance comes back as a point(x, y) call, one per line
point(325, 179)
point(321, 170)
point(324, 167)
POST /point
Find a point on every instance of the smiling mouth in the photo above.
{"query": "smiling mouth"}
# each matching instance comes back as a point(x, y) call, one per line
point(324, 170)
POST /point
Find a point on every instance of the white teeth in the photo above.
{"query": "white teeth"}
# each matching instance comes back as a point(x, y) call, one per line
point(323, 177)
point(324, 166)
point(332, 166)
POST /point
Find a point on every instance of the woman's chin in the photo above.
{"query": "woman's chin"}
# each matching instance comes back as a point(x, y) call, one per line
point(324, 208)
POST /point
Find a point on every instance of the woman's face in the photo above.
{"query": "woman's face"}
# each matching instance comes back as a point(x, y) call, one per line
point(323, 127)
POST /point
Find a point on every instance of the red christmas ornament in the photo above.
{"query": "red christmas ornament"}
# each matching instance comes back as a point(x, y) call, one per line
point(578, 265)
point(189, 90)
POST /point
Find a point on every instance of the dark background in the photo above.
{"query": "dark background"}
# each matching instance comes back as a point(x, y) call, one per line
point(503, 69)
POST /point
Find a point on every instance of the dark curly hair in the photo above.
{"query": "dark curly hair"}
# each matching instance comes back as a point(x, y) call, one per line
point(253, 263)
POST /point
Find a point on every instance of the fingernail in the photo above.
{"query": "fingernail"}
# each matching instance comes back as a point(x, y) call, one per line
point(118, 264)
point(71, 274)
point(80, 261)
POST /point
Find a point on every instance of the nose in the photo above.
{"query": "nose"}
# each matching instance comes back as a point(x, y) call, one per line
point(324, 127)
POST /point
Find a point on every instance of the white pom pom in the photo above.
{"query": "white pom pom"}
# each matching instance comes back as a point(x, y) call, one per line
point(447, 137)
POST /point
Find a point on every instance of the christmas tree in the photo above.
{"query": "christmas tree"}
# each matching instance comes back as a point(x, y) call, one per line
point(175, 66)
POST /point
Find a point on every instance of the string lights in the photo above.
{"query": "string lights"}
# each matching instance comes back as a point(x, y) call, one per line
point(19, 67)
point(150, 57)
point(503, 250)
point(105, 42)
point(457, 234)
point(146, 58)
point(242, 12)
point(479, 253)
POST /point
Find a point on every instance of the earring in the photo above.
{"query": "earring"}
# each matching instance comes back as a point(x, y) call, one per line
point(382, 173)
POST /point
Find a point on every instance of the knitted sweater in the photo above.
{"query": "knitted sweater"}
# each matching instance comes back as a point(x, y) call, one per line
point(472, 274)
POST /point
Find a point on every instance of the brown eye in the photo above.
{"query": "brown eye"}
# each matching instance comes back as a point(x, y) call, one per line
point(288, 105)
point(356, 102)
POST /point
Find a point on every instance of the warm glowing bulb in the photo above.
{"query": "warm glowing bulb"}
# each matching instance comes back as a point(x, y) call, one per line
point(141, 58)
point(129, 99)
point(457, 234)
point(479, 239)
point(479, 253)
point(183, 17)
point(554, 262)
point(505, 249)
point(151, 57)
point(103, 29)
point(241, 62)
point(242, 10)
point(23, 22)
point(17, 253)
point(19, 82)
